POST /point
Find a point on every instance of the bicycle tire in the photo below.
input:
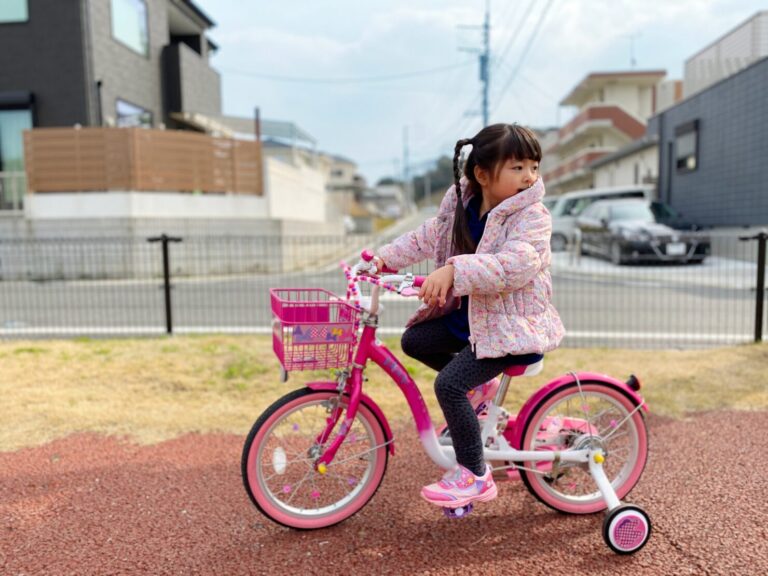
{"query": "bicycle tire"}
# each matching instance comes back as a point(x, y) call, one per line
point(546, 486)
point(274, 500)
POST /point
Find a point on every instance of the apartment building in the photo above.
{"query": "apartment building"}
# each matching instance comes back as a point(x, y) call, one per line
point(611, 112)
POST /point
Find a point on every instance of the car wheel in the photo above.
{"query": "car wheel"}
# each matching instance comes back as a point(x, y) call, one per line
point(558, 243)
point(616, 257)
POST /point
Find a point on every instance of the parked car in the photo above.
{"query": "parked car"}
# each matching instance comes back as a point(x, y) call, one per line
point(628, 231)
point(565, 208)
point(665, 214)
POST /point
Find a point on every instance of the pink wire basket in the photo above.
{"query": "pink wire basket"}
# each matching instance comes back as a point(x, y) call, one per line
point(312, 328)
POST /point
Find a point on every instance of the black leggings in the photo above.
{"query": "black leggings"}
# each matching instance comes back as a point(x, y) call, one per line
point(459, 371)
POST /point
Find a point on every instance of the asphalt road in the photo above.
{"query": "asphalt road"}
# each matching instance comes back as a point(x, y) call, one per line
point(600, 304)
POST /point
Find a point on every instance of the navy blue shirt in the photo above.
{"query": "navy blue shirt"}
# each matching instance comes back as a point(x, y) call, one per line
point(458, 320)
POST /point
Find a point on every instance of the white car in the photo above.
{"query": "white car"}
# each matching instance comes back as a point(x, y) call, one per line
point(565, 208)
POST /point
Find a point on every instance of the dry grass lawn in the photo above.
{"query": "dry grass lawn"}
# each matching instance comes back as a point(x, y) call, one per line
point(158, 388)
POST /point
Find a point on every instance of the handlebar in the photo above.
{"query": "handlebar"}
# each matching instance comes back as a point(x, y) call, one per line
point(366, 270)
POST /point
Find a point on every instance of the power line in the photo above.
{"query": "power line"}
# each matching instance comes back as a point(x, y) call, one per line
point(515, 36)
point(349, 80)
point(528, 46)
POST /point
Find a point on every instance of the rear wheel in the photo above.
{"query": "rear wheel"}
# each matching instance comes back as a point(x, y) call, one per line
point(278, 462)
point(597, 416)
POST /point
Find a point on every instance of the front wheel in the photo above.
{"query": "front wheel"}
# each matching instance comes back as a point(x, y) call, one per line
point(278, 462)
point(598, 415)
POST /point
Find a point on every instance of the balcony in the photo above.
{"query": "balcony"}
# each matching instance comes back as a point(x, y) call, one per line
point(190, 84)
point(137, 159)
point(596, 119)
point(574, 167)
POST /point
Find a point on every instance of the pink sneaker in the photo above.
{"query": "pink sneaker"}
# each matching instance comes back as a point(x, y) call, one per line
point(460, 487)
point(481, 395)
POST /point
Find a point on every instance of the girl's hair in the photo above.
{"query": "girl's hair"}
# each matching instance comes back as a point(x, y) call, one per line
point(491, 147)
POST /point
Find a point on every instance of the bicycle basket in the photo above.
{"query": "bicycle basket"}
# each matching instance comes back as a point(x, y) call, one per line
point(312, 328)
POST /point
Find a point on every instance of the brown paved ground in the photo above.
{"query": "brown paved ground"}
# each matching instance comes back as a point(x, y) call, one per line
point(93, 505)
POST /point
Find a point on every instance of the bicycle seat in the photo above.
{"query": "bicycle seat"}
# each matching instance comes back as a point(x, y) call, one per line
point(526, 369)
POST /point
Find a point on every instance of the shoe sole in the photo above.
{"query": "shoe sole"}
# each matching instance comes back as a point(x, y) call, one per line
point(489, 494)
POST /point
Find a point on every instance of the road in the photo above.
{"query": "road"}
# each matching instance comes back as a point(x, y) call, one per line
point(601, 305)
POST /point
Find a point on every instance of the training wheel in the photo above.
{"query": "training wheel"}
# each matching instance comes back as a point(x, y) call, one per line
point(459, 512)
point(626, 529)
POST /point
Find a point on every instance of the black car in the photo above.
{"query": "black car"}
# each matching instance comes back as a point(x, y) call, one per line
point(628, 231)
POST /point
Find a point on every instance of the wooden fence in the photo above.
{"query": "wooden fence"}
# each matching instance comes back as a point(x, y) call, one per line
point(93, 159)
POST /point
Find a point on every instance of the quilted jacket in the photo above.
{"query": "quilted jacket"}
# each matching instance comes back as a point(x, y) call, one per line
point(507, 279)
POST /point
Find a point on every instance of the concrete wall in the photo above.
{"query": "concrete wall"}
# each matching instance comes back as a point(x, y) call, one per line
point(294, 192)
point(151, 205)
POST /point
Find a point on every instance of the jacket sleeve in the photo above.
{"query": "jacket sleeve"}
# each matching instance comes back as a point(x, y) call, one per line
point(512, 267)
point(411, 247)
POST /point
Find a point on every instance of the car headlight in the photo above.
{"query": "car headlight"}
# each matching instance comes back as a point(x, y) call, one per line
point(635, 236)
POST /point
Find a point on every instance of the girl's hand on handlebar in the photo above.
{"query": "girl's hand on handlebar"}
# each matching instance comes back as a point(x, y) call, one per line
point(435, 288)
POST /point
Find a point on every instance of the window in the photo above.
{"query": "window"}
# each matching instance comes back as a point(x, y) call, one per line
point(130, 25)
point(687, 146)
point(130, 115)
point(12, 177)
point(13, 11)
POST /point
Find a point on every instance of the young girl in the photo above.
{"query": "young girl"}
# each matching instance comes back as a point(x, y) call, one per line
point(487, 305)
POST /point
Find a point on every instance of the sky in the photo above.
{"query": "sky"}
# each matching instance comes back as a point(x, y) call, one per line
point(366, 78)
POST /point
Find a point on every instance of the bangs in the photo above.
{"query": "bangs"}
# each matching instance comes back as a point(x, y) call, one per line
point(521, 144)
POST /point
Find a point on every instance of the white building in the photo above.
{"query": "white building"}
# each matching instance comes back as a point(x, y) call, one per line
point(734, 51)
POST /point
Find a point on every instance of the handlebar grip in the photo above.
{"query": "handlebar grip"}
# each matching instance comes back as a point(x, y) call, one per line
point(418, 281)
point(367, 255)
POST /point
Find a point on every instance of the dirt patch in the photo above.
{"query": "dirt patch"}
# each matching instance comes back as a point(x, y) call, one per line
point(89, 504)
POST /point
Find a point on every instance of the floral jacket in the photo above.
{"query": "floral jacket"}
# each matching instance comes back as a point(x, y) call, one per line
point(507, 279)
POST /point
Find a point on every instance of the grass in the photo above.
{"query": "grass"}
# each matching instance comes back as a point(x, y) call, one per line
point(155, 389)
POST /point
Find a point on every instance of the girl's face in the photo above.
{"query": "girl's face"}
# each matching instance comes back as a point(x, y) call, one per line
point(514, 176)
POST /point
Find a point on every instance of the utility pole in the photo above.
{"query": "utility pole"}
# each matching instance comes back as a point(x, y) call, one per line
point(406, 172)
point(484, 57)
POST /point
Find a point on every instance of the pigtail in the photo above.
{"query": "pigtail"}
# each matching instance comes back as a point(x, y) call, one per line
point(461, 241)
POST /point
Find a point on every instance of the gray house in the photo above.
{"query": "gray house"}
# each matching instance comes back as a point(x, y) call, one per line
point(103, 62)
point(713, 148)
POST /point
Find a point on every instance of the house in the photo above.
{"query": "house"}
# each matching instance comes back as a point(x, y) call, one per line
point(635, 163)
point(712, 151)
point(612, 110)
point(119, 106)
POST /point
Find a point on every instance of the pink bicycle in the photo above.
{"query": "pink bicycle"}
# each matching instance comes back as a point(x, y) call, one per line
point(318, 454)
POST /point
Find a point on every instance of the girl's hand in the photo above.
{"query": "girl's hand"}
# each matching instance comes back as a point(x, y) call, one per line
point(436, 286)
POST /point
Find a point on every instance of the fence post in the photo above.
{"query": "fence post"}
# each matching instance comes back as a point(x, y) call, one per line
point(164, 238)
point(761, 238)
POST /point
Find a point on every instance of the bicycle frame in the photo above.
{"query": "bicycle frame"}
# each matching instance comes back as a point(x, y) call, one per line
point(369, 348)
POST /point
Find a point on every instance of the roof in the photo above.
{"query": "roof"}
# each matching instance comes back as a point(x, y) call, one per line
point(270, 129)
point(596, 80)
point(635, 146)
point(198, 12)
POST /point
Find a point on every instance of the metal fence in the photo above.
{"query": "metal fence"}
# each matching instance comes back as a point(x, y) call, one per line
point(115, 286)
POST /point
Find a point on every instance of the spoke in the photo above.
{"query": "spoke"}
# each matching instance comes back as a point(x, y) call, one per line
point(627, 417)
point(348, 458)
point(307, 460)
point(296, 489)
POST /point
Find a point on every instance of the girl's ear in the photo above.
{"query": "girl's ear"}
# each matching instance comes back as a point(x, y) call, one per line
point(481, 176)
